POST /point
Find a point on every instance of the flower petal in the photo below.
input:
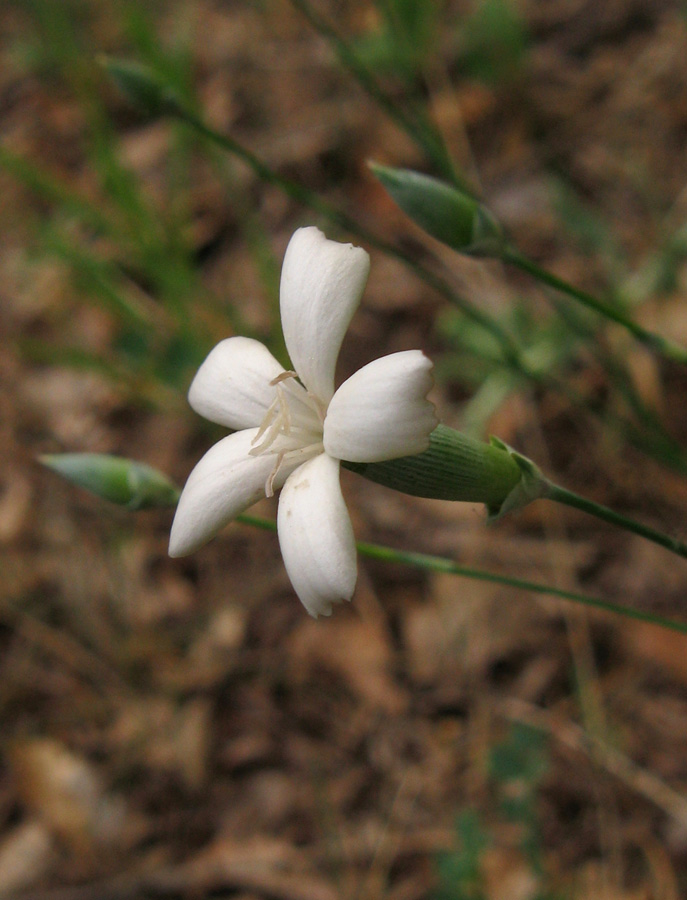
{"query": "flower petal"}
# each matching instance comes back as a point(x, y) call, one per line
point(232, 387)
point(321, 285)
point(226, 481)
point(316, 536)
point(381, 412)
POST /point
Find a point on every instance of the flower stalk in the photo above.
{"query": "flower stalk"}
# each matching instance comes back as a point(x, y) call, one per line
point(655, 342)
point(455, 467)
point(569, 498)
point(458, 467)
point(460, 221)
point(74, 466)
point(441, 564)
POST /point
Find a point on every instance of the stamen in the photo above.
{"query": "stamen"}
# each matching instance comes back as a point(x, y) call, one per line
point(269, 484)
point(302, 453)
point(285, 410)
point(277, 421)
point(270, 438)
point(283, 376)
point(294, 417)
point(267, 421)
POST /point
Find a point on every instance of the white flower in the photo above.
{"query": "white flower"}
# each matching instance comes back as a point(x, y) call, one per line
point(291, 429)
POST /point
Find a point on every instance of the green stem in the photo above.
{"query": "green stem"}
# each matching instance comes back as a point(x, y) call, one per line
point(449, 567)
point(654, 341)
point(615, 368)
point(568, 498)
point(417, 126)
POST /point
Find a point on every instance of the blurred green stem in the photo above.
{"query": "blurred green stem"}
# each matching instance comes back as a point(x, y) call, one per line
point(418, 126)
point(618, 374)
point(569, 498)
point(448, 567)
point(656, 342)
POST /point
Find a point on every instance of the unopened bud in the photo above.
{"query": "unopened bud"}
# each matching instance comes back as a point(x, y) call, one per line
point(142, 87)
point(115, 478)
point(445, 212)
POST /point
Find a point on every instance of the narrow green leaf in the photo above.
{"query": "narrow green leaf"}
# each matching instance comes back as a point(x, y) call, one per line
point(449, 567)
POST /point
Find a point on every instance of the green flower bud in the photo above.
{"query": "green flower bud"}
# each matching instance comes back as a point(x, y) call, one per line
point(142, 87)
point(458, 467)
point(114, 478)
point(445, 212)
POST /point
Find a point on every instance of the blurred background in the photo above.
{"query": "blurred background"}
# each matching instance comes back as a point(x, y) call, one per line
point(181, 728)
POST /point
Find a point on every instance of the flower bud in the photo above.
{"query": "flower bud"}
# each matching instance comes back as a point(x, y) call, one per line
point(142, 87)
point(445, 212)
point(114, 478)
point(458, 467)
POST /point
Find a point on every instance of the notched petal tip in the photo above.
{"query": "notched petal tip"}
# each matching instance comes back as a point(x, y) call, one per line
point(382, 411)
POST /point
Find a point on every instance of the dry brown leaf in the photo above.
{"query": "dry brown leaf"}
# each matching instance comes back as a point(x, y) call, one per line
point(266, 866)
point(66, 792)
point(165, 736)
point(657, 647)
point(15, 504)
point(26, 855)
point(357, 651)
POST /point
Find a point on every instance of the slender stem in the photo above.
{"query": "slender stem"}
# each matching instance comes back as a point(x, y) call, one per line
point(417, 126)
point(654, 341)
point(653, 434)
point(614, 367)
point(449, 567)
point(568, 498)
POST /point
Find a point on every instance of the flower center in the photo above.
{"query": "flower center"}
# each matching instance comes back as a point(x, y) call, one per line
point(291, 428)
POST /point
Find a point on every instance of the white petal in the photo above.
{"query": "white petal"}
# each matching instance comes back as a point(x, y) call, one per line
point(321, 285)
point(381, 412)
point(226, 481)
point(316, 536)
point(232, 387)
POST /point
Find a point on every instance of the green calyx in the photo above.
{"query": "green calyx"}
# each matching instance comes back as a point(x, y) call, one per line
point(458, 467)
